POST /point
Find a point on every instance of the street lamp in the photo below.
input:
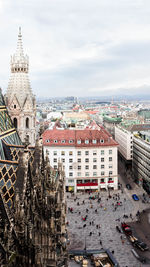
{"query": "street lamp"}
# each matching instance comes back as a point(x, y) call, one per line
point(85, 243)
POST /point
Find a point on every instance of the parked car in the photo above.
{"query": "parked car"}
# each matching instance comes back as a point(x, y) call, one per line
point(135, 197)
point(141, 245)
point(126, 228)
point(128, 186)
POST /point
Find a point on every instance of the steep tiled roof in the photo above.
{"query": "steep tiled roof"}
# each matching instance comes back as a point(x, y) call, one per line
point(67, 137)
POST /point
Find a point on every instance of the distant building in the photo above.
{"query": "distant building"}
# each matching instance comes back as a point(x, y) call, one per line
point(89, 157)
point(141, 159)
point(19, 98)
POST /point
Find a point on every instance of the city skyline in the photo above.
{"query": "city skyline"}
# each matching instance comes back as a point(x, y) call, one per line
point(87, 48)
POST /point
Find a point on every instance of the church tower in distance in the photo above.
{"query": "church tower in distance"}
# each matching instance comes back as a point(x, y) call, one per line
point(20, 100)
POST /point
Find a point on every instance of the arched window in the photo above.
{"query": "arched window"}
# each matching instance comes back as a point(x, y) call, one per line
point(15, 122)
point(27, 123)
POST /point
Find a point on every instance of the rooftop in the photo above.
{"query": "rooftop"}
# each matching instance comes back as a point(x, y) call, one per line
point(78, 138)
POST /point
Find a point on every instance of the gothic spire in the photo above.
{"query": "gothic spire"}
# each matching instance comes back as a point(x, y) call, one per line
point(19, 51)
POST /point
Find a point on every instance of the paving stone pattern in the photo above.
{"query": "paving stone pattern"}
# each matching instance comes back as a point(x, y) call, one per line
point(107, 218)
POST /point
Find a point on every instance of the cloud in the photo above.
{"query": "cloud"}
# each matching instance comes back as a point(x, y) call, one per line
point(78, 47)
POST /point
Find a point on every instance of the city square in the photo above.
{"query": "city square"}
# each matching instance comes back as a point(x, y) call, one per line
point(99, 229)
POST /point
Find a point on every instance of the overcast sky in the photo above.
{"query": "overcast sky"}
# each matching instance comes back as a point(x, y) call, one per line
point(78, 47)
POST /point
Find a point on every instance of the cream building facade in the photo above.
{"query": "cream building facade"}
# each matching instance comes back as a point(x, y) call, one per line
point(19, 98)
point(89, 158)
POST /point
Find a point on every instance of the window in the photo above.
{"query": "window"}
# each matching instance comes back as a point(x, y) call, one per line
point(86, 141)
point(15, 122)
point(14, 106)
point(94, 141)
point(63, 153)
point(110, 172)
point(86, 160)
point(63, 141)
point(102, 173)
point(70, 153)
point(55, 153)
point(102, 180)
point(110, 158)
point(102, 166)
point(94, 153)
point(27, 123)
point(79, 153)
point(110, 166)
point(94, 160)
point(70, 173)
point(102, 141)
point(86, 153)
point(79, 160)
point(102, 159)
point(94, 166)
point(110, 152)
point(79, 167)
point(110, 179)
point(102, 152)
point(55, 167)
point(70, 181)
point(87, 174)
point(70, 167)
point(63, 160)
point(70, 160)
point(70, 141)
point(79, 174)
point(87, 167)
point(55, 160)
point(78, 142)
point(94, 173)
point(55, 141)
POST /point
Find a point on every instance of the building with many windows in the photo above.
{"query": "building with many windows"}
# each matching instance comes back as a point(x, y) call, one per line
point(141, 159)
point(124, 136)
point(89, 157)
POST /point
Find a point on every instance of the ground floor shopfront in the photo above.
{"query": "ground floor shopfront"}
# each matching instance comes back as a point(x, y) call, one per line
point(92, 184)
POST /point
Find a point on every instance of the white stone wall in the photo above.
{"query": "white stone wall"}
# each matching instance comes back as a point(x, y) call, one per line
point(125, 140)
point(100, 154)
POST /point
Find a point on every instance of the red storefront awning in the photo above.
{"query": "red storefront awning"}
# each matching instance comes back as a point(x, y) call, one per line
point(88, 184)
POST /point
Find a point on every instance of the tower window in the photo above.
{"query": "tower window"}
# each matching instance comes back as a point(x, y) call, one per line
point(27, 123)
point(15, 122)
point(14, 106)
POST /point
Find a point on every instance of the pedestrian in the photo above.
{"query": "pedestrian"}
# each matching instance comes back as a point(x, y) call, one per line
point(99, 233)
point(100, 242)
point(90, 223)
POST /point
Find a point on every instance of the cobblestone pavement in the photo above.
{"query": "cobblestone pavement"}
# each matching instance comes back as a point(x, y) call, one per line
point(107, 218)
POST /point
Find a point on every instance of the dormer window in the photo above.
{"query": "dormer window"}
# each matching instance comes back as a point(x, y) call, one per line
point(86, 141)
point(70, 141)
point(63, 141)
point(102, 141)
point(55, 141)
point(47, 141)
point(78, 142)
point(94, 141)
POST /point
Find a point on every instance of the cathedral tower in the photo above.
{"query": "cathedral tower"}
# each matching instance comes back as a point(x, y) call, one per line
point(19, 97)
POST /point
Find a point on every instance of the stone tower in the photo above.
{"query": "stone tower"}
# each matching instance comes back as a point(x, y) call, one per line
point(20, 100)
